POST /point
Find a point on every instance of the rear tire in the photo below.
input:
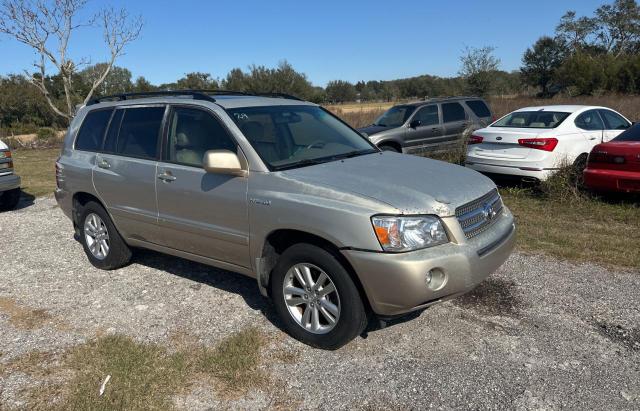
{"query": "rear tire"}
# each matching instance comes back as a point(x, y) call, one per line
point(300, 301)
point(100, 239)
point(388, 147)
point(9, 199)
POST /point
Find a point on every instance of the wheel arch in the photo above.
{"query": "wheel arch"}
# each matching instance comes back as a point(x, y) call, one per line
point(279, 240)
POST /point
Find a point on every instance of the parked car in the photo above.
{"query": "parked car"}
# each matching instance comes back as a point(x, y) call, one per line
point(615, 166)
point(9, 181)
point(434, 125)
point(283, 191)
point(532, 142)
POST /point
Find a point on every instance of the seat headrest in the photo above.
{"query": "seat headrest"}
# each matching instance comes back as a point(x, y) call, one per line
point(254, 132)
point(518, 121)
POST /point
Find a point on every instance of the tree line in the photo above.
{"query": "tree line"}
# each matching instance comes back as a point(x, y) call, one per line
point(586, 55)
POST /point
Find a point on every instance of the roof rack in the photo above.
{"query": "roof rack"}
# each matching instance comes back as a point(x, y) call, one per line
point(196, 94)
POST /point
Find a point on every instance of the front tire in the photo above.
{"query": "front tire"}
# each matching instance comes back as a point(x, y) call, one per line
point(102, 243)
point(9, 199)
point(316, 298)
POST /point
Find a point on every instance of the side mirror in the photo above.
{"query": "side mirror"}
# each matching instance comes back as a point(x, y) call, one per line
point(223, 162)
point(415, 124)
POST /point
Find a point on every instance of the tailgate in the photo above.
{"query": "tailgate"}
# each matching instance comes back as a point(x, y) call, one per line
point(502, 143)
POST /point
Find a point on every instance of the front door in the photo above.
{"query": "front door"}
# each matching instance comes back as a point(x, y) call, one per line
point(124, 175)
point(614, 124)
point(201, 213)
point(424, 129)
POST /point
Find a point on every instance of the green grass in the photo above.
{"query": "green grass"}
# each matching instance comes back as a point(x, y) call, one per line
point(143, 376)
point(36, 167)
point(586, 229)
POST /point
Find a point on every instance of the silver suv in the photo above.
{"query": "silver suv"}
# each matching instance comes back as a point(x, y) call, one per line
point(334, 230)
point(428, 126)
point(9, 181)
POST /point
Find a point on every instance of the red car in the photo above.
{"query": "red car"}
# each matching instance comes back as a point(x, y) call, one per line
point(615, 165)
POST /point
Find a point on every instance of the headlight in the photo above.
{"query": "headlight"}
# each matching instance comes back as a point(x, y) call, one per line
point(409, 233)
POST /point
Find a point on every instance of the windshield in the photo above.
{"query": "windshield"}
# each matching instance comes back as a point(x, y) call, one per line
point(532, 119)
point(294, 136)
point(395, 116)
point(631, 134)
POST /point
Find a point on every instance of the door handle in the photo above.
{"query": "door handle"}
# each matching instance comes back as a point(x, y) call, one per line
point(592, 138)
point(166, 177)
point(102, 163)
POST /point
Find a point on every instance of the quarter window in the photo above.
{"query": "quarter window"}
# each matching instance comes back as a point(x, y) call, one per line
point(92, 131)
point(589, 120)
point(139, 132)
point(428, 116)
point(452, 112)
point(192, 133)
point(614, 121)
point(479, 108)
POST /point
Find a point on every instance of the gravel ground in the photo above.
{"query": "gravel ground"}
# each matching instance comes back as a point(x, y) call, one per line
point(540, 333)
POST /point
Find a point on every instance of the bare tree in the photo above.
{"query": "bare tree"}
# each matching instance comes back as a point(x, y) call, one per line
point(47, 27)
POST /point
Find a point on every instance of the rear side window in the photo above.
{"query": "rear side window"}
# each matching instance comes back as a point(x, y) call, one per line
point(92, 131)
point(139, 132)
point(589, 120)
point(453, 112)
point(614, 121)
point(479, 108)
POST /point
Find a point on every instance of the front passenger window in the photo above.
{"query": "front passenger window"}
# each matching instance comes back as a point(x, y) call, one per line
point(192, 133)
point(428, 116)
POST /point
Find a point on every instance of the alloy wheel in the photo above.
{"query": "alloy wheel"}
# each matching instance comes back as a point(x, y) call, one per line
point(96, 236)
point(311, 298)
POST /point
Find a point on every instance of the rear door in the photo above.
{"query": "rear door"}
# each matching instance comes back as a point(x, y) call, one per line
point(455, 122)
point(201, 213)
point(614, 124)
point(427, 132)
point(125, 172)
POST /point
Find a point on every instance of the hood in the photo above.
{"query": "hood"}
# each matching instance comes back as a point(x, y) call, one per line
point(411, 184)
point(373, 129)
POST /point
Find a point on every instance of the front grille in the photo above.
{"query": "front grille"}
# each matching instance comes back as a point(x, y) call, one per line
point(478, 215)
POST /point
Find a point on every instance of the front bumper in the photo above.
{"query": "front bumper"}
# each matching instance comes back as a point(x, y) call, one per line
point(9, 182)
point(612, 180)
point(395, 283)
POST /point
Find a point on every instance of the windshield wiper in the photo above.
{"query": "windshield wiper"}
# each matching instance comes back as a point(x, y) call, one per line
point(301, 163)
point(353, 153)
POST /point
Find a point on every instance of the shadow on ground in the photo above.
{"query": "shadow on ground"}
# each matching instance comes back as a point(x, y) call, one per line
point(204, 275)
point(493, 297)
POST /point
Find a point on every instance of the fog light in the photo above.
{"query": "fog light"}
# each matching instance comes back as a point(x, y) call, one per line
point(435, 279)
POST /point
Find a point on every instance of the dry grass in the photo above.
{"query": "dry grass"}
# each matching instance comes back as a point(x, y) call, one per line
point(37, 169)
point(584, 229)
point(23, 317)
point(143, 376)
point(359, 115)
point(628, 105)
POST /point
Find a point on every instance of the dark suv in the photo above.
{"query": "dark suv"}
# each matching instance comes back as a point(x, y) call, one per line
point(434, 125)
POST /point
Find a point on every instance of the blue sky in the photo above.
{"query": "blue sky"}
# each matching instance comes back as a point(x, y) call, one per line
point(350, 40)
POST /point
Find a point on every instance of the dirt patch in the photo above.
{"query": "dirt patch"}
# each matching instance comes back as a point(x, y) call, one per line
point(24, 317)
point(629, 338)
point(493, 297)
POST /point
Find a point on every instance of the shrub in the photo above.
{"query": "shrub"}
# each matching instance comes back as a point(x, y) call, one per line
point(46, 133)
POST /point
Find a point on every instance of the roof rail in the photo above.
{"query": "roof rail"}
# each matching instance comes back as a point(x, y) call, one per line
point(196, 94)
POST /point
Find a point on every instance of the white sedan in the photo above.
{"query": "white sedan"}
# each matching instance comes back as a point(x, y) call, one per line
point(530, 143)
